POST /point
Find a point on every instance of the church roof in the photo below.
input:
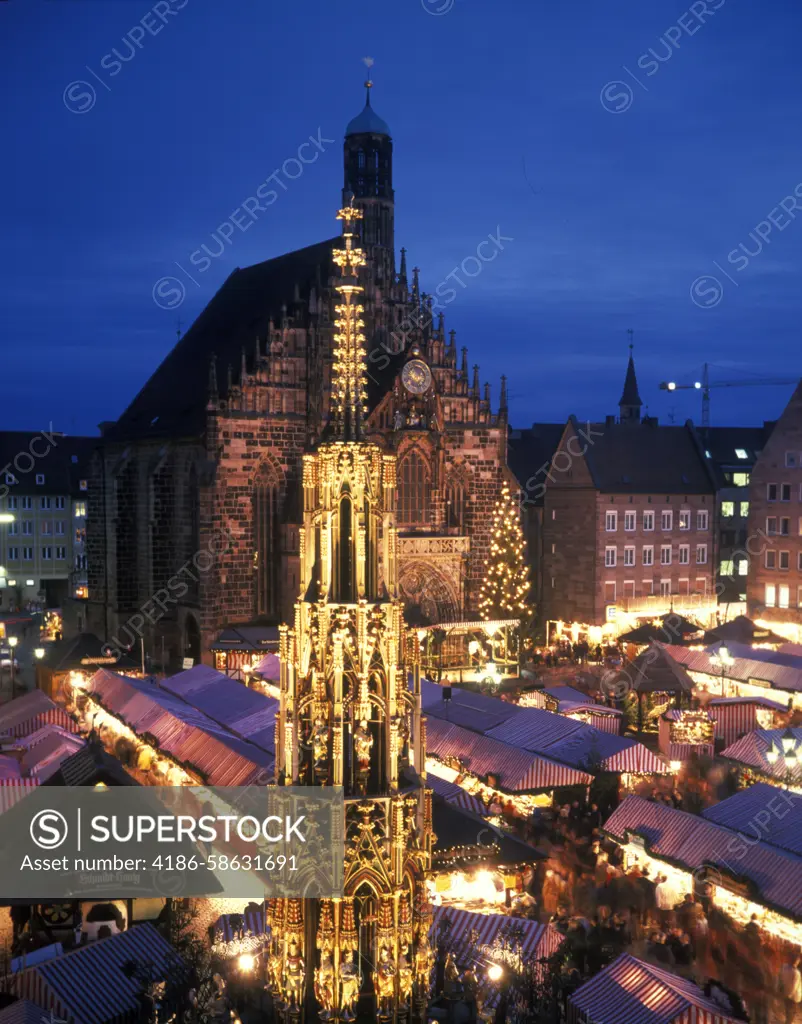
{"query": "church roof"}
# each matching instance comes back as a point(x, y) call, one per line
point(630, 395)
point(173, 401)
point(367, 122)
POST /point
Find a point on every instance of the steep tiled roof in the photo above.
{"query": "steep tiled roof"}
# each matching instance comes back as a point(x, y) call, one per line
point(529, 454)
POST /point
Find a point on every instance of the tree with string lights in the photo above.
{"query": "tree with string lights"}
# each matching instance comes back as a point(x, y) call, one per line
point(505, 586)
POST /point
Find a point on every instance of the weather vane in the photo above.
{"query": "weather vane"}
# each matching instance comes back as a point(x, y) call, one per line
point(368, 62)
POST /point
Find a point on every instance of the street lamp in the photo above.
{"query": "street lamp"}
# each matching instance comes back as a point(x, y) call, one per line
point(789, 750)
point(12, 643)
point(722, 659)
point(39, 653)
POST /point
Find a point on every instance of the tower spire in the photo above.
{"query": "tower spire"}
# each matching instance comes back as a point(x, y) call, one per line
point(629, 406)
point(349, 374)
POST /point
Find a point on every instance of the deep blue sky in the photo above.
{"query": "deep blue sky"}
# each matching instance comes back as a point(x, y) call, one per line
point(621, 212)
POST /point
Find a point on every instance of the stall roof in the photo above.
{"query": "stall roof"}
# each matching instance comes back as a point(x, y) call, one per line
point(83, 652)
point(88, 767)
point(23, 1011)
point(773, 676)
point(90, 984)
point(454, 827)
point(518, 771)
point(246, 638)
point(750, 750)
point(634, 991)
point(762, 812)
point(475, 711)
point(181, 731)
point(692, 842)
point(456, 795)
point(741, 630)
point(247, 713)
point(29, 712)
point(656, 671)
point(567, 694)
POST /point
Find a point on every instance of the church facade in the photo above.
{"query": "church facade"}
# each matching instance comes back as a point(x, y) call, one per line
point(195, 502)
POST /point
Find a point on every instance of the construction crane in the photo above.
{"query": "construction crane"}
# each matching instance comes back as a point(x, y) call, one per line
point(705, 384)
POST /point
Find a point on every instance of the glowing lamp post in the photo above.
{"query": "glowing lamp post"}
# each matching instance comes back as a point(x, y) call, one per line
point(789, 750)
point(12, 643)
point(721, 660)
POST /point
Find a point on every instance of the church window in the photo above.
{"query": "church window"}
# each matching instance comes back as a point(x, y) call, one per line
point(457, 500)
point(414, 490)
point(265, 525)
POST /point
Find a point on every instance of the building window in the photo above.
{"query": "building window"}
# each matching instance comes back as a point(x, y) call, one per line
point(47, 553)
point(727, 509)
point(414, 490)
point(611, 522)
point(727, 567)
point(799, 561)
point(27, 527)
point(13, 554)
point(743, 566)
point(785, 492)
point(648, 521)
point(741, 479)
point(783, 595)
point(770, 595)
point(790, 460)
point(785, 526)
point(610, 557)
point(80, 509)
point(665, 588)
point(744, 510)
point(10, 478)
point(12, 504)
point(265, 509)
point(609, 592)
point(771, 559)
point(629, 521)
point(666, 519)
point(799, 596)
point(648, 588)
point(701, 520)
point(771, 492)
point(629, 556)
point(83, 485)
point(61, 553)
point(44, 503)
point(648, 555)
point(665, 554)
point(47, 528)
point(60, 503)
point(27, 504)
point(59, 525)
point(684, 554)
point(771, 525)
point(12, 529)
point(785, 559)
point(701, 554)
point(27, 554)
point(40, 478)
point(741, 453)
point(685, 520)
point(457, 493)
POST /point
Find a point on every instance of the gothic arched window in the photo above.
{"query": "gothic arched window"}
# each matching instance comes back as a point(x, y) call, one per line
point(414, 490)
point(457, 491)
point(265, 502)
point(361, 159)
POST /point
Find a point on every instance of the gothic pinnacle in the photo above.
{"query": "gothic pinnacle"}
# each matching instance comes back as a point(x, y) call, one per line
point(213, 396)
point(465, 364)
point(476, 381)
point(502, 404)
point(402, 273)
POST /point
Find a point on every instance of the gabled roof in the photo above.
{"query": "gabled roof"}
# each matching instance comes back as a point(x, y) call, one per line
point(762, 812)
point(741, 630)
point(751, 750)
point(529, 455)
point(724, 444)
point(173, 401)
point(645, 458)
point(62, 466)
point(655, 671)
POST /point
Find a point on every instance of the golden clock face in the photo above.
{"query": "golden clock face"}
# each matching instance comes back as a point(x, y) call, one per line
point(416, 376)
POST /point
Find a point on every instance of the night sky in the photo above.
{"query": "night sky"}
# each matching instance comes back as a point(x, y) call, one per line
point(617, 197)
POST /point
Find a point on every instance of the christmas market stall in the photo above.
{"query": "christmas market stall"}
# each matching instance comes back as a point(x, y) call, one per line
point(734, 717)
point(738, 671)
point(578, 706)
point(768, 755)
point(743, 878)
point(244, 934)
point(82, 654)
point(684, 734)
point(482, 652)
point(742, 630)
point(239, 649)
point(631, 991)
point(762, 812)
point(657, 681)
point(28, 713)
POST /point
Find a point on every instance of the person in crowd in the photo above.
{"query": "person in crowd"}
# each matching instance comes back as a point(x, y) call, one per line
point(659, 951)
point(665, 898)
point(791, 989)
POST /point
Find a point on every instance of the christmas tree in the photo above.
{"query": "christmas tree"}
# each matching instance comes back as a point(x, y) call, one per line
point(505, 587)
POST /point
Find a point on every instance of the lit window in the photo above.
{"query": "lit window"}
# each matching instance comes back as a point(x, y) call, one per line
point(665, 554)
point(629, 556)
point(727, 509)
point(740, 479)
point(666, 519)
point(771, 595)
point(701, 554)
point(83, 485)
point(648, 521)
point(707, 454)
point(611, 522)
point(743, 566)
point(744, 510)
point(684, 554)
point(783, 595)
point(80, 509)
point(629, 521)
point(701, 520)
point(727, 567)
point(685, 520)
point(610, 557)
point(741, 453)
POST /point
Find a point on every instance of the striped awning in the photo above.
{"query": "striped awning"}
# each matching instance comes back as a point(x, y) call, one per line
point(14, 790)
point(683, 751)
point(26, 714)
point(90, 984)
point(736, 716)
point(251, 924)
point(470, 933)
point(456, 795)
point(630, 991)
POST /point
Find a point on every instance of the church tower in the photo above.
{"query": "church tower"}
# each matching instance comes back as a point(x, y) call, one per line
point(368, 176)
point(629, 406)
point(348, 717)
